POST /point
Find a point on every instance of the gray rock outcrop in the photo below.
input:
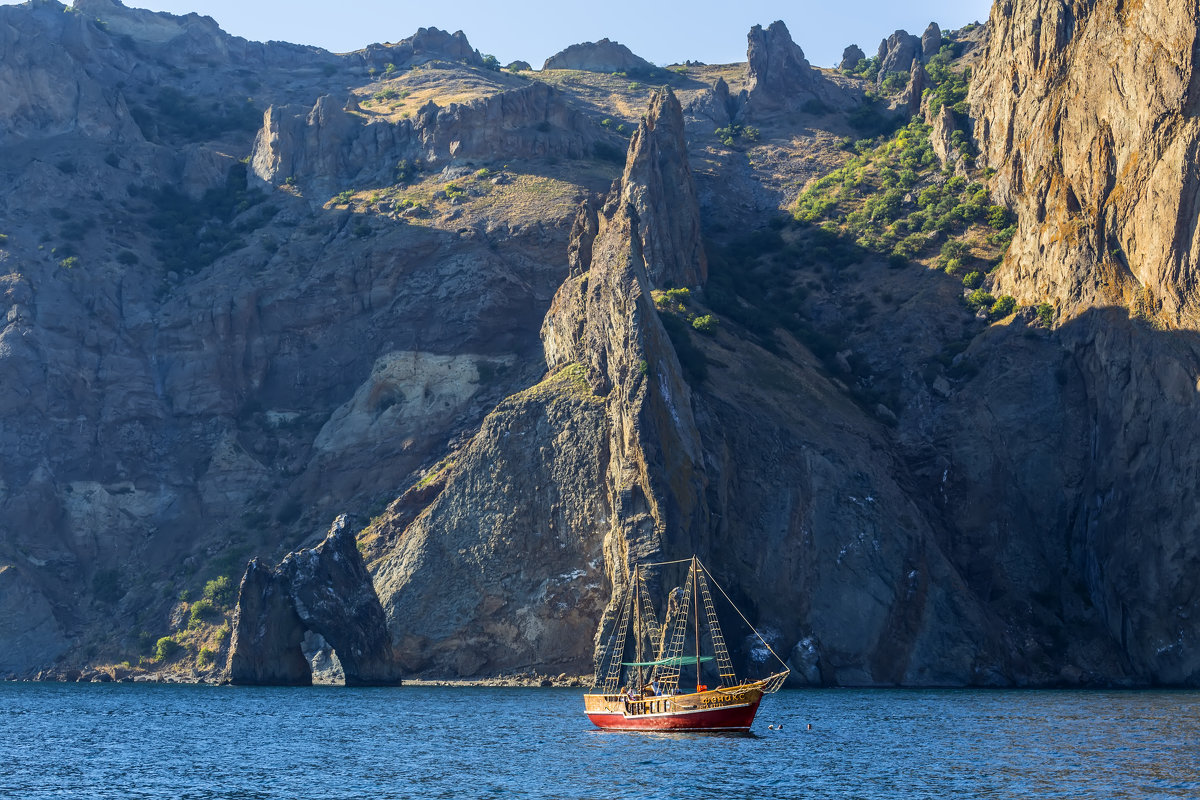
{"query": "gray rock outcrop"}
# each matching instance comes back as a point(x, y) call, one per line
point(427, 44)
point(779, 78)
point(931, 41)
point(918, 80)
point(852, 56)
point(775, 65)
point(896, 53)
point(328, 148)
point(326, 591)
point(601, 56)
point(1105, 232)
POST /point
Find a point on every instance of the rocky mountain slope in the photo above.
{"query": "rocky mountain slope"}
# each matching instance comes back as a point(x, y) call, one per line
point(532, 327)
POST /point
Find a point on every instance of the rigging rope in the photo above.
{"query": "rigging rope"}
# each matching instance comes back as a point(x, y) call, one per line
point(743, 616)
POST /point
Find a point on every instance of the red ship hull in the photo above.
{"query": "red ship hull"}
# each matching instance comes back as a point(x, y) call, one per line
point(734, 718)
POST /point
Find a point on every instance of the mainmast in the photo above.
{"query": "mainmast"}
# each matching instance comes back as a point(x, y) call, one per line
point(696, 619)
point(637, 612)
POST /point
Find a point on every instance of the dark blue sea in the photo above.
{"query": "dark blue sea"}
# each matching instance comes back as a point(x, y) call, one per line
point(144, 741)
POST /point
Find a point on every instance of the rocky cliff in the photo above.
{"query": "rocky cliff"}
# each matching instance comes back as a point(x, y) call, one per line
point(534, 327)
point(1087, 112)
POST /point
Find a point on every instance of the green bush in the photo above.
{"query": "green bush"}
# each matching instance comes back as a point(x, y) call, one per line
point(70, 262)
point(895, 82)
point(909, 246)
point(705, 324)
point(206, 657)
point(203, 611)
point(405, 171)
point(166, 648)
point(1045, 314)
point(220, 592)
point(999, 217)
point(972, 280)
point(1004, 306)
point(491, 62)
point(980, 298)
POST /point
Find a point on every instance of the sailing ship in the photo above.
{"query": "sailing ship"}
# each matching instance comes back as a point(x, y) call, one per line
point(658, 693)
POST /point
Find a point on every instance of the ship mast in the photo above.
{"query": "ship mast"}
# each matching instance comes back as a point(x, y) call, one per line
point(637, 612)
point(696, 620)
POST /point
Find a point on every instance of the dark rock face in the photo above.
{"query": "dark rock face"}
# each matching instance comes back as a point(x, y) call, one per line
point(601, 56)
point(326, 590)
point(896, 53)
point(719, 106)
point(518, 66)
point(851, 57)
point(32, 636)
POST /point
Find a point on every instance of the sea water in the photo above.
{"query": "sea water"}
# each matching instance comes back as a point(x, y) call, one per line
point(147, 741)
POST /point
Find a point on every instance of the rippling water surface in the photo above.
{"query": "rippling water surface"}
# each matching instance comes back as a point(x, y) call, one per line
point(143, 741)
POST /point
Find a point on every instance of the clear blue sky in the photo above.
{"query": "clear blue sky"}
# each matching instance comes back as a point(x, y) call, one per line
point(661, 32)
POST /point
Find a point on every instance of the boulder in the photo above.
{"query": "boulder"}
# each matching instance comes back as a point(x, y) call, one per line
point(518, 66)
point(851, 57)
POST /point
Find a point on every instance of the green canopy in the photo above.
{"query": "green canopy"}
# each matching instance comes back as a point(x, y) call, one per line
point(678, 661)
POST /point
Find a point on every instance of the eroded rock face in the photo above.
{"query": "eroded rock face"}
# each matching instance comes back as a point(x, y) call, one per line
point(917, 81)
point(326, 591)
point(896, 53)
point(425, 45)
point(776, 68)
point(328, 147)
point(1087, 112)
point(601, 56)
point(931, 41)
point(77, 102)
point(779, 78)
